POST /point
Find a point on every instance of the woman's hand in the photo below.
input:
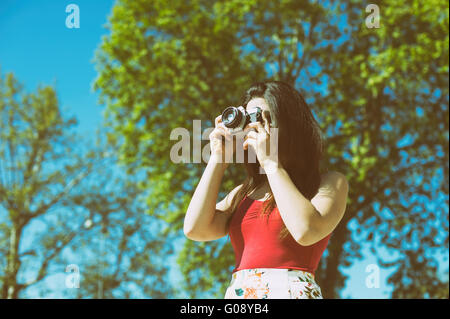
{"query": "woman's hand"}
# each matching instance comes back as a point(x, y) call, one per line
point(265, 147)
point(221, 143)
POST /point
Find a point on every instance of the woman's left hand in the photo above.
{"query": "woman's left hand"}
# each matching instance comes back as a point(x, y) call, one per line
point(259, 138)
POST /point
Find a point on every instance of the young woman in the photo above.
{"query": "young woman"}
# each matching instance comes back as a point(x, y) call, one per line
point(279, 222)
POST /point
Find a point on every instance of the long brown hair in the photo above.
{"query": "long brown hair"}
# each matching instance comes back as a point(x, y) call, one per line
point(300, 144)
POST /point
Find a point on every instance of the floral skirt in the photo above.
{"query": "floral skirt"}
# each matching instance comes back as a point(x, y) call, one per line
point(273, 283)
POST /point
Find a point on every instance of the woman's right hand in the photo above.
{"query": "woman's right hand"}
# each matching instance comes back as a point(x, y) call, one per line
point(221, 143)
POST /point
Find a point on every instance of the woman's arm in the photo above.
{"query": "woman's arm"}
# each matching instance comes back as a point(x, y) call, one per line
point(309, 221)
point(202, 222)
point(205, 220)
point(201, 210)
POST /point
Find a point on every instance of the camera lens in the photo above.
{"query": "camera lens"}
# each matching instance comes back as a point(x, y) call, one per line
point(231, 117)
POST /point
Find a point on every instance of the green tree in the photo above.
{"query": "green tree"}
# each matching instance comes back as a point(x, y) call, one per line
point(164, 65)
point(123, 255)
point(390, 86)
point(56, 192)
point(32, 153)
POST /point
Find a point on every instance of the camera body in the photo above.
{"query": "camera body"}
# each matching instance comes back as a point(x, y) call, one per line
point(236, 118)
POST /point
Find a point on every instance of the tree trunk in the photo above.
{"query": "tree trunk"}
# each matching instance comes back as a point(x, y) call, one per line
point(329, 280)
point(10, 286)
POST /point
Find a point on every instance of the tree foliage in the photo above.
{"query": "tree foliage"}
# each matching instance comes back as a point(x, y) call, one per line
point(381, 96)
point(58, 192)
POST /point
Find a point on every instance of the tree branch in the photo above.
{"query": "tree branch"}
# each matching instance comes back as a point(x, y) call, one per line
point(306, 54)
point(58, 197)
point(44, 266)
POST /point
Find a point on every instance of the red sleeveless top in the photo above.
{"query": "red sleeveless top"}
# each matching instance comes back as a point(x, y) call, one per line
point(256, 242)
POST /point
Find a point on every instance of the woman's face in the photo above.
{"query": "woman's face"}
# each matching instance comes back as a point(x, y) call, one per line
point(261, 103)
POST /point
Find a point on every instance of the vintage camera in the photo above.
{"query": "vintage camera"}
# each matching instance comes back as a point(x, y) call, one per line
point(236, 118)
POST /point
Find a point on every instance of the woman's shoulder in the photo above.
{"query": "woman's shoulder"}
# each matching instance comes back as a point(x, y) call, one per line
point(332, 174)
point(235, 190)
point(226, 203)
point(333, 179)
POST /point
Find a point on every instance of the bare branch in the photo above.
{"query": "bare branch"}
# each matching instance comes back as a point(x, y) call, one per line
point(63, 193)
point(44, 266)
point(306, 53)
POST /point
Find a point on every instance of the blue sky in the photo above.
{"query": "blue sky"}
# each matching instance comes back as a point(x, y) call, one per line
point(37, 47)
